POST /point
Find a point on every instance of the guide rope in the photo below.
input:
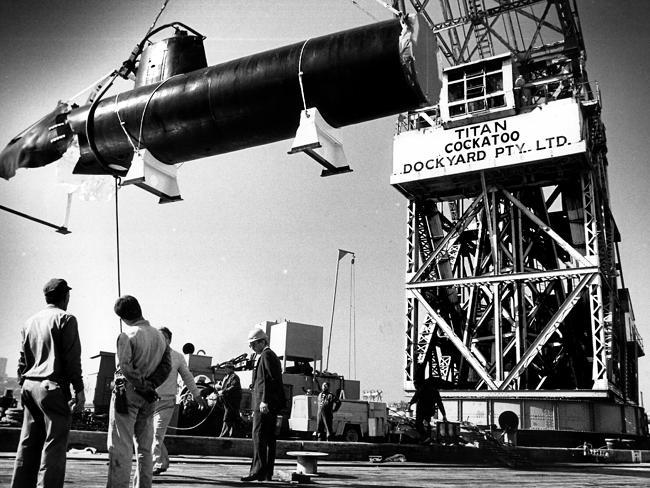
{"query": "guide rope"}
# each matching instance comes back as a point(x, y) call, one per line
point(197, 425)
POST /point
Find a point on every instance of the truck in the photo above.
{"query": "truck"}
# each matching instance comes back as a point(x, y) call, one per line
point(354, 421)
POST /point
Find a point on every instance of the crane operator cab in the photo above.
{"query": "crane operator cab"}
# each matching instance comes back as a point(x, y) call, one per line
point(479, 91)
point(498, 87)
point(494, 113)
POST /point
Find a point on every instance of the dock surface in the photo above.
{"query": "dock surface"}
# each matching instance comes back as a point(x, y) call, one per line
point(89, 471)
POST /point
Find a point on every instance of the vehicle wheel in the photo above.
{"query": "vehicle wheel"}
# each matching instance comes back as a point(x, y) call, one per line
point(351, 434)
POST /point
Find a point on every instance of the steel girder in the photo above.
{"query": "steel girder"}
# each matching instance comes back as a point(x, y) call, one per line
point(515, 295)
point(473, 29)
point(535, 292)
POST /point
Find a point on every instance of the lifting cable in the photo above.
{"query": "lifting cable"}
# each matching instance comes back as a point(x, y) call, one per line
point(123, 124)
point(90, 127)
point(118, 180)
point(101, 87)
point(129, 137)
point(389, 7)
point(300, 73)
point(160, 12)
point(144, 109)
point(97, 84)
point(356, 4)
point(127, 67)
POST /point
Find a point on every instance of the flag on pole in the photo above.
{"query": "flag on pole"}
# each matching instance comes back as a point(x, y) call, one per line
point(343, 252)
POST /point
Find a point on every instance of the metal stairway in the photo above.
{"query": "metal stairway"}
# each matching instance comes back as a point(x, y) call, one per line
point(481, 32)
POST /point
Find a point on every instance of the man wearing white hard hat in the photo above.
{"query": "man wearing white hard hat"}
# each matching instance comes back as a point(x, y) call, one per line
point(268, 400)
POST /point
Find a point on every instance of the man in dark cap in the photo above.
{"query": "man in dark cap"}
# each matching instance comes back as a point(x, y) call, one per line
point(230, 398)
point(49, 363)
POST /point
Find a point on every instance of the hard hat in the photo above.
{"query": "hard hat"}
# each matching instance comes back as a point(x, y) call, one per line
point(256, 334)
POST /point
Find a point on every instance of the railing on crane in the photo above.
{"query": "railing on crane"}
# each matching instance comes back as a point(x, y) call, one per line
point(532, 95)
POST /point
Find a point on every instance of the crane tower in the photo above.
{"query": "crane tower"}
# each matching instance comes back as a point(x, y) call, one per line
point(514, 290)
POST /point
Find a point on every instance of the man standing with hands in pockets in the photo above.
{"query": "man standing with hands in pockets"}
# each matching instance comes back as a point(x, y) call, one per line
point(49, 363)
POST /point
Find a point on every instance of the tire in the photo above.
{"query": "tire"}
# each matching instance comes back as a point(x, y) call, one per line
point(351, 433)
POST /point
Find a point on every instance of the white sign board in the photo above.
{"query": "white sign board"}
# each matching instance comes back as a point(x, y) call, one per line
point(548, 131)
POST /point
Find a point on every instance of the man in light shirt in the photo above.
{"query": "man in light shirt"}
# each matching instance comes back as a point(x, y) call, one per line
point(143, 364)
point(49, 364)
point(167, 402)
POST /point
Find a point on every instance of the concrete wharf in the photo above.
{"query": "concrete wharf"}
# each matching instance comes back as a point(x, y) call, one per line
point(214, 461)
point(89, 471)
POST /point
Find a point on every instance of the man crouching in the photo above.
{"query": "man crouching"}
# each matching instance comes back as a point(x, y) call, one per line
point(143, 363)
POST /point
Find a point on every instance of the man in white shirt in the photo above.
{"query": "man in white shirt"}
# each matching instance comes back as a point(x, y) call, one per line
point(143, 362)
point(167, 402)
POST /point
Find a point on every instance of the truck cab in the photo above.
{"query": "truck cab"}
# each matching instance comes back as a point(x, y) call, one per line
point(354, 421)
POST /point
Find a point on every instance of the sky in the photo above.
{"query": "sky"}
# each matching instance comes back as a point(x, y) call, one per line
point(257, 234)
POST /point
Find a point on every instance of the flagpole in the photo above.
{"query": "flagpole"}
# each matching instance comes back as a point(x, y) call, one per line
point(329, 341)
point(353, 316)
point(350, 318)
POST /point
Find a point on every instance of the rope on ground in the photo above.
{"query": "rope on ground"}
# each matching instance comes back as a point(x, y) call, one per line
point(197, 425)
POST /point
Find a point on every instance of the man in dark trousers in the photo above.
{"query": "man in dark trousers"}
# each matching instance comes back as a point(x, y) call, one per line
point(49, 363)
point(327, 405)
point(230, 398)
point(268, 400)
point(425, 398)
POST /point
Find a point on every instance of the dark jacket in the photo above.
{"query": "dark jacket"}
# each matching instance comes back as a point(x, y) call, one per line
point(231, 390)
point(267, 382)
point(426, 396)
point(231, 394)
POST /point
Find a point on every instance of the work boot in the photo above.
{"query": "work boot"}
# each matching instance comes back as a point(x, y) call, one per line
point(252, 477)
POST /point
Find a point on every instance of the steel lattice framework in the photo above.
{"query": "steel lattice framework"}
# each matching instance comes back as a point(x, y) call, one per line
point(474, 29)
point(515, 286)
